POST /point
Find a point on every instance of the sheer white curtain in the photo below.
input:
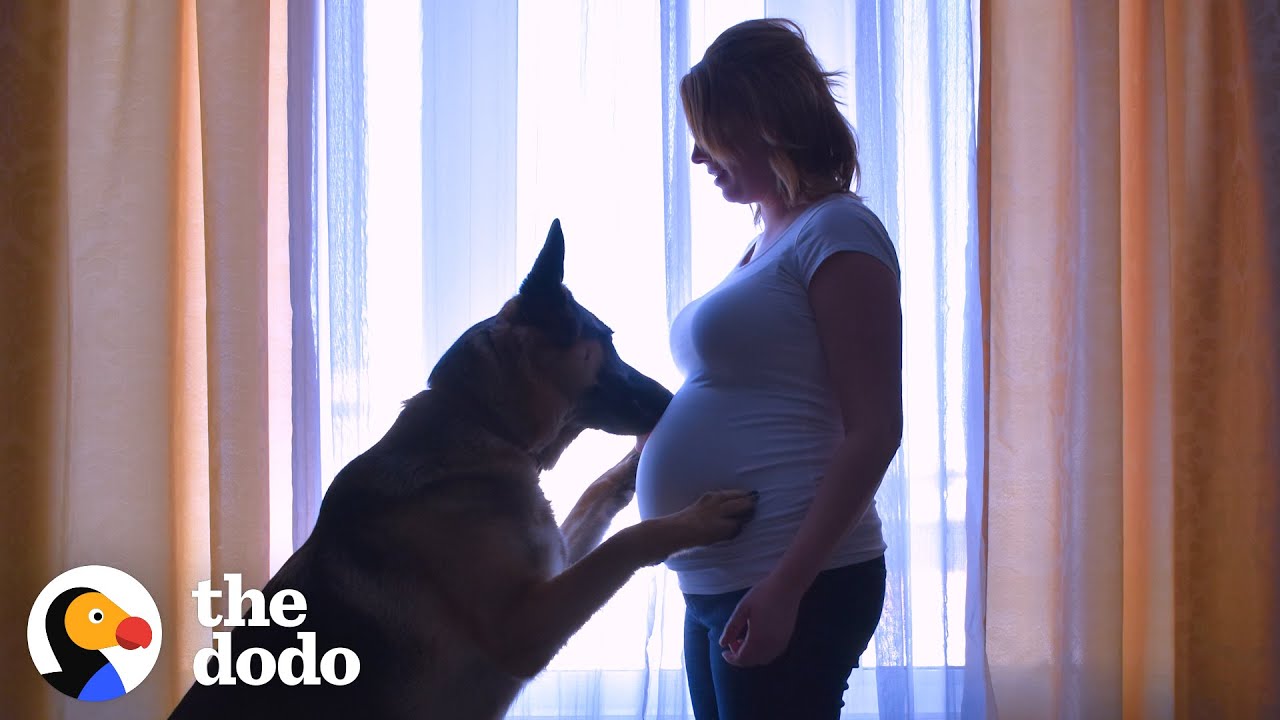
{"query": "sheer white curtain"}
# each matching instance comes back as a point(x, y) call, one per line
point(433, 142)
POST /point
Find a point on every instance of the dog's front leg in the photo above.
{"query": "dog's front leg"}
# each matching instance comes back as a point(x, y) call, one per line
point(586, 523)
point(527, 633)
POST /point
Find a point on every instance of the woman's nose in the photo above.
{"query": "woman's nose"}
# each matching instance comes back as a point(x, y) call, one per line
point(699, 155)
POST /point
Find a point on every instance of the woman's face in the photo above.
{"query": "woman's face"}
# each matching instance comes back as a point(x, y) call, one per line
point(748, 179)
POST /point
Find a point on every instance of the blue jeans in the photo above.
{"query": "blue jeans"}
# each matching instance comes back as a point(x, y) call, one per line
point(837, 617)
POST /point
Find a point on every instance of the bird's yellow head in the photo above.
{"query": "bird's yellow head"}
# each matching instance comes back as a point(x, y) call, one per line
point(94, 622)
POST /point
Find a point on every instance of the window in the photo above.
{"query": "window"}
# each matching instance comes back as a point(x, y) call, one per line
point(447, 136)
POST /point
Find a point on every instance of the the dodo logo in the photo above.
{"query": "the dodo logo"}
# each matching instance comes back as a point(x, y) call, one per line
point(94, 633)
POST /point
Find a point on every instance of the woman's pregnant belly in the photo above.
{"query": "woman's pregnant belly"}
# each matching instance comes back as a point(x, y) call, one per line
point(714, 439)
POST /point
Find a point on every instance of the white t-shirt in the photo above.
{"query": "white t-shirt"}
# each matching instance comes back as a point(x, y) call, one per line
point(756, 409)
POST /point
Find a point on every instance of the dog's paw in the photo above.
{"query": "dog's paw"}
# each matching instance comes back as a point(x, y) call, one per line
point(717, 516)
point(620, 480)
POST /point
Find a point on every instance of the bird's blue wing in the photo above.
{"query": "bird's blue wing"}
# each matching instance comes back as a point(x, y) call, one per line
point(104, 685)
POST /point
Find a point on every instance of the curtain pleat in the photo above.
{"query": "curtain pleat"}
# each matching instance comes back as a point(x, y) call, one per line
point(303, 134)
point(676, 147)
point(234, 112)
point(33, 247)
point(343, 240)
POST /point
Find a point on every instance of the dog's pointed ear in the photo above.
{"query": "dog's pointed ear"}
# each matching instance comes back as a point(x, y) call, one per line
point(543, 301)
point(548, 270)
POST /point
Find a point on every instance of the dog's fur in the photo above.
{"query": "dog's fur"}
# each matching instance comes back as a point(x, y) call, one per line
point(436, 558)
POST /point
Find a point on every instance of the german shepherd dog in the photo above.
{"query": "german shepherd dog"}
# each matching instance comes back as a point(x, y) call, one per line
point(436, 558)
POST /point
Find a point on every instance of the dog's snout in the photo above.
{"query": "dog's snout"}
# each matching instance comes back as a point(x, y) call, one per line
point(625, 401)
point(655, 398)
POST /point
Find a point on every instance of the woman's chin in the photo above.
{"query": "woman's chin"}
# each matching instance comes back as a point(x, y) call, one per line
point(730, 194)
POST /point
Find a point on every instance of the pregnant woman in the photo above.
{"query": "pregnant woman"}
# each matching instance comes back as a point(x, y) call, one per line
point(793, 387)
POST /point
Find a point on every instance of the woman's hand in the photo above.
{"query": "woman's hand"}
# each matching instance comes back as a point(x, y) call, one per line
point(761, 626)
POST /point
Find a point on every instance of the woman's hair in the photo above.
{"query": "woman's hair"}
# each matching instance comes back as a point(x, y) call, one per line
point(760, 79)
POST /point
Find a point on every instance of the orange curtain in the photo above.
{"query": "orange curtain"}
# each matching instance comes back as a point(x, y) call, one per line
point(142, 312)
point(1133, 345)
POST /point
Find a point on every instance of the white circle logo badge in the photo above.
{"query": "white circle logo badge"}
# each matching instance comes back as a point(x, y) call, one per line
point(94, 633)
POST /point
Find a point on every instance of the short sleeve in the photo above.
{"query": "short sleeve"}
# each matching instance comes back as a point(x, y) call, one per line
point(842, 225)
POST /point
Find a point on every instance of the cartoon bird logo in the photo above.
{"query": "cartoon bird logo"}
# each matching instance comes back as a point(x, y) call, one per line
point(80, 624)
point(93, 649)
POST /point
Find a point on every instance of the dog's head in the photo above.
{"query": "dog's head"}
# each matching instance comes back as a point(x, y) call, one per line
point(576, 351)
point(556, 356)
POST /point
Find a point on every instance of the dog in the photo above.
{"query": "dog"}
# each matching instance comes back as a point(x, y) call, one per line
point(435, 557)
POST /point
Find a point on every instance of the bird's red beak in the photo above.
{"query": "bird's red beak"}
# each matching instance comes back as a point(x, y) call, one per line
point(133, 632)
